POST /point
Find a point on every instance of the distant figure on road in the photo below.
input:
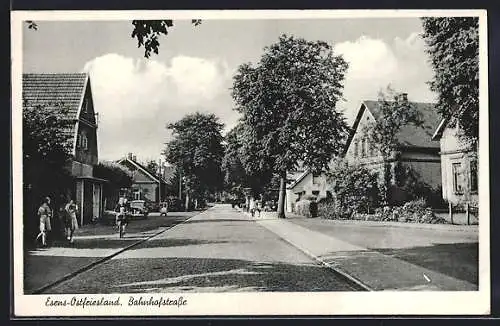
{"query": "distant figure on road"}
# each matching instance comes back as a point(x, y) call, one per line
point(71, 223)
point(252, 207)
point(45, 215)
point(258, 206)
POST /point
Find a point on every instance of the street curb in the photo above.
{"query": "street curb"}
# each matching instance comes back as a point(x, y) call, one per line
point(103, 259)
point(336, 270)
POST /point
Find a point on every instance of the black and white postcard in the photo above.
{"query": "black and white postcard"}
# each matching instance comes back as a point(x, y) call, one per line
point(179, 163)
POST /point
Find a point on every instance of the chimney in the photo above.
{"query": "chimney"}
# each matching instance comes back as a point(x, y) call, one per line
point(404, 97)
point(129, 156)
point(134, 158)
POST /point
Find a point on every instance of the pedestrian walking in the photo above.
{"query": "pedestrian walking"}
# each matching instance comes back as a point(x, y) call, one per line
point(252, 207)
point(44, 215)
point(71, 223)
point(258, 207)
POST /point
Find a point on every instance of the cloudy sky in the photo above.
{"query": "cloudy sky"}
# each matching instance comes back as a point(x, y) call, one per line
point(136, 97)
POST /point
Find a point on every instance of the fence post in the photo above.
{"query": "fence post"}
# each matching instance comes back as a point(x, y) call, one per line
point(450, 212)
point(467, 213)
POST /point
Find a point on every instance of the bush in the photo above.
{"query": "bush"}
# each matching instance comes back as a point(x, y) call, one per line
point(415, 211)
point(306, 207)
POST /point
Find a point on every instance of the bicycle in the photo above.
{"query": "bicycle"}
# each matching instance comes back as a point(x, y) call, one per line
point(121, 223)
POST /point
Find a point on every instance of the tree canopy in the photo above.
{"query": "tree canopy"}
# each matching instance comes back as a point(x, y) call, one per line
point(395, 112)
point(117, 175)
point(147, 32)
point(46, 147)
point(288, 105)
point(236, 177)
point(196, 148)
point(453, 46)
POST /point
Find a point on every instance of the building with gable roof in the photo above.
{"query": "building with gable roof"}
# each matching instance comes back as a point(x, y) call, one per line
point(459, 159)
point(417, 151)
point(73, 92)
point(146, 184)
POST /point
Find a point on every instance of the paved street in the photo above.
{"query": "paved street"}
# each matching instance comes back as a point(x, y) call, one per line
point(218, 250)
point(43, 266)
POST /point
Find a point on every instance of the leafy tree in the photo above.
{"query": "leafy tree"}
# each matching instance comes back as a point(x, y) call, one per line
point(118, 177)
point(453, 46)
point(145, 31)
point(236, 177)
point(395, 112)
point(152, 166)
point(46, 156)
point(197, 149)
point(288, 104)
point(355, 189)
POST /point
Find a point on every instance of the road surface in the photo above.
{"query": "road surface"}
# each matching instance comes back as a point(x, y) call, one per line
point(219, 250)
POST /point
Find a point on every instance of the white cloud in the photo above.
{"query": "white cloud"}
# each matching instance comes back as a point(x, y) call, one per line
point(136, 98)
point(374, 64)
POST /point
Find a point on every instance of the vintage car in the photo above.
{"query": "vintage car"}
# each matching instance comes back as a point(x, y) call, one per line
point(138, 209)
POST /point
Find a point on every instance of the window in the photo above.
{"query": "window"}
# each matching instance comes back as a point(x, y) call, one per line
point(316, 178)
point(473, 176)
point(85, 106)
point(356, 145)
point(137, 195)
point(82, 140)
point(315, 192)
point(456, 169)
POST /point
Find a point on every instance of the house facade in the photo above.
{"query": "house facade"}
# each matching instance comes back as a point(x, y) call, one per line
point(145, 185)
point(459, 164)
point(73, 92)
point(417, 152)
point(305, 183)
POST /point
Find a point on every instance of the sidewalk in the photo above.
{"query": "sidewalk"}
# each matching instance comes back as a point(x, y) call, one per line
point(373, 269)
point(93, 244)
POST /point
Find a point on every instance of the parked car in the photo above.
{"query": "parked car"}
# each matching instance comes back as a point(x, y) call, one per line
point(138, 209)
point(163, 209)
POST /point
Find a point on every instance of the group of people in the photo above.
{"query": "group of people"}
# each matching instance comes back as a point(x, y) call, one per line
point(67, 214)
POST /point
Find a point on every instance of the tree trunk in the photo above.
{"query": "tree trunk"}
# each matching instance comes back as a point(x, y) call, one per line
point(282, 195)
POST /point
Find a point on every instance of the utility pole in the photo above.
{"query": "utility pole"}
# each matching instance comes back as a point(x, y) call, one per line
point(159, 181)
point(180, 184)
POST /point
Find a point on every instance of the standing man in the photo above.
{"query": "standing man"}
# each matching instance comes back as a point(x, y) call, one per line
point(44, 214)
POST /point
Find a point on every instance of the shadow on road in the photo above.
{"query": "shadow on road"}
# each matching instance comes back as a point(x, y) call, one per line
point(202, 275)
point(459, 260)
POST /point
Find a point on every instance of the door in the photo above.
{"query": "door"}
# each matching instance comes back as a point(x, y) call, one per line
point(96, 201)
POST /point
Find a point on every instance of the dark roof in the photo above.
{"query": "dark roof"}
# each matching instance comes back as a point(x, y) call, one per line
point(50, 90)
point(409, 135)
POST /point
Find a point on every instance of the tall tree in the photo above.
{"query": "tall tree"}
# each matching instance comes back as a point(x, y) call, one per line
point(288, 102)
point(453, 46)
point(46, 156)
point(235, 159)
point(395, 112)
point(197, 149)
